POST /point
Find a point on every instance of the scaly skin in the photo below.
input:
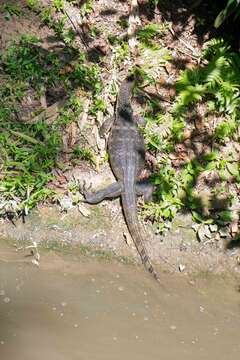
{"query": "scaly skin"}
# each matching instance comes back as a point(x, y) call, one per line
point(127, 156)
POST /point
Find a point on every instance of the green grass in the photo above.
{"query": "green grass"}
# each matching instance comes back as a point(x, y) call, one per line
point(29, 152)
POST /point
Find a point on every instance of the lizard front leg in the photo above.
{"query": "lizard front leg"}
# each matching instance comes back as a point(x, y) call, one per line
point(106, 127)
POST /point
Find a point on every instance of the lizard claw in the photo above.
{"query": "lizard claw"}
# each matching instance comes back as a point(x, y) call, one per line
point(84, 190)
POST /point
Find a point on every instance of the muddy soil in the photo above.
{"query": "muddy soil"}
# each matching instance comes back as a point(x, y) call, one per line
point(102, 228)
point(76, 309)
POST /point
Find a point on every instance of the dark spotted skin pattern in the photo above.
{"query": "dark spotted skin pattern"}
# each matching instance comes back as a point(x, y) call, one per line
point(127, 157)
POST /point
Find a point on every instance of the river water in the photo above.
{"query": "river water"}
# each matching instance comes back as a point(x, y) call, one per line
point(71, 309)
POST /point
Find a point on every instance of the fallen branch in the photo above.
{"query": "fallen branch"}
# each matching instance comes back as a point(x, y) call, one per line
point(134, 21)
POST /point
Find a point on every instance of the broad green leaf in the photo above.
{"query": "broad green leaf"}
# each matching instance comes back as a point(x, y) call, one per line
point(233, 168)
point(231, 6)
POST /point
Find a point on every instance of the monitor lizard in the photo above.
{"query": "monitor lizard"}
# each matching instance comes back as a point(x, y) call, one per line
point(126, 151)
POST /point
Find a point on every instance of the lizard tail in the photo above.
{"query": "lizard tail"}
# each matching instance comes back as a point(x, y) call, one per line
point(130, 214)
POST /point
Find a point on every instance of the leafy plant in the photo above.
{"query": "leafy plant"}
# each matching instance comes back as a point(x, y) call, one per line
point(58, 4)
point(28, 155)
point(167, 202)
point(233, 6)
point(86, 8)
point(83, 153)
point(29, 152)
point(10, 10)
point(217, 82)
point(26, 61)
point(148, 33)
point(34, 5)
point(71, 110)
point(216, 86)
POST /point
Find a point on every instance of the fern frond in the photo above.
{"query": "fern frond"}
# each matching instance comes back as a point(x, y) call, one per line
point(215, 47)
point(188, 77)
point(219, 79)
point(214, 72)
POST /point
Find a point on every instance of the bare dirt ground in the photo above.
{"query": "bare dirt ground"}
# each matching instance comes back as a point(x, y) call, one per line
point(103, 227)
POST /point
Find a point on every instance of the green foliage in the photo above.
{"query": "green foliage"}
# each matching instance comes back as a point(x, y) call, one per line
point(216, 85)
point(121, 52)
point(58, 4)
point(67, 35)
point(149, 32)
point(29, 152)
point(232, 7)
point(225, 129)
point(70, 112)
point(27, 156)
point(10, 10)
point(86, 8)
point(156, 131)
point(34, 5)
point(25, 61)
point(217, 82)
point(167, 202)
point(98, 105)
point(86, 76)
point(83, 154)
point(154, 3)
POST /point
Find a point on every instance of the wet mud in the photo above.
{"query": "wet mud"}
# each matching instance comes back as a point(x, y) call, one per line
point(71, 308)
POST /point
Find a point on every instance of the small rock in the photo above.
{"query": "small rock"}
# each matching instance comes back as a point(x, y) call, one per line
point(195, 226)
point(181, 267)
point(207, 232)
point(213, 227)
point(201, 233)
point(83, 210)
point(66, 203)
point(217, 237)
point(224, 232)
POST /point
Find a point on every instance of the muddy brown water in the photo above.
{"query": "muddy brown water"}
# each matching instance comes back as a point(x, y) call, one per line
point(80, 309)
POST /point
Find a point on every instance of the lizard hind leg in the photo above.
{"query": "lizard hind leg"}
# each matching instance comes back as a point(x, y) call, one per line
point(111, 191)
